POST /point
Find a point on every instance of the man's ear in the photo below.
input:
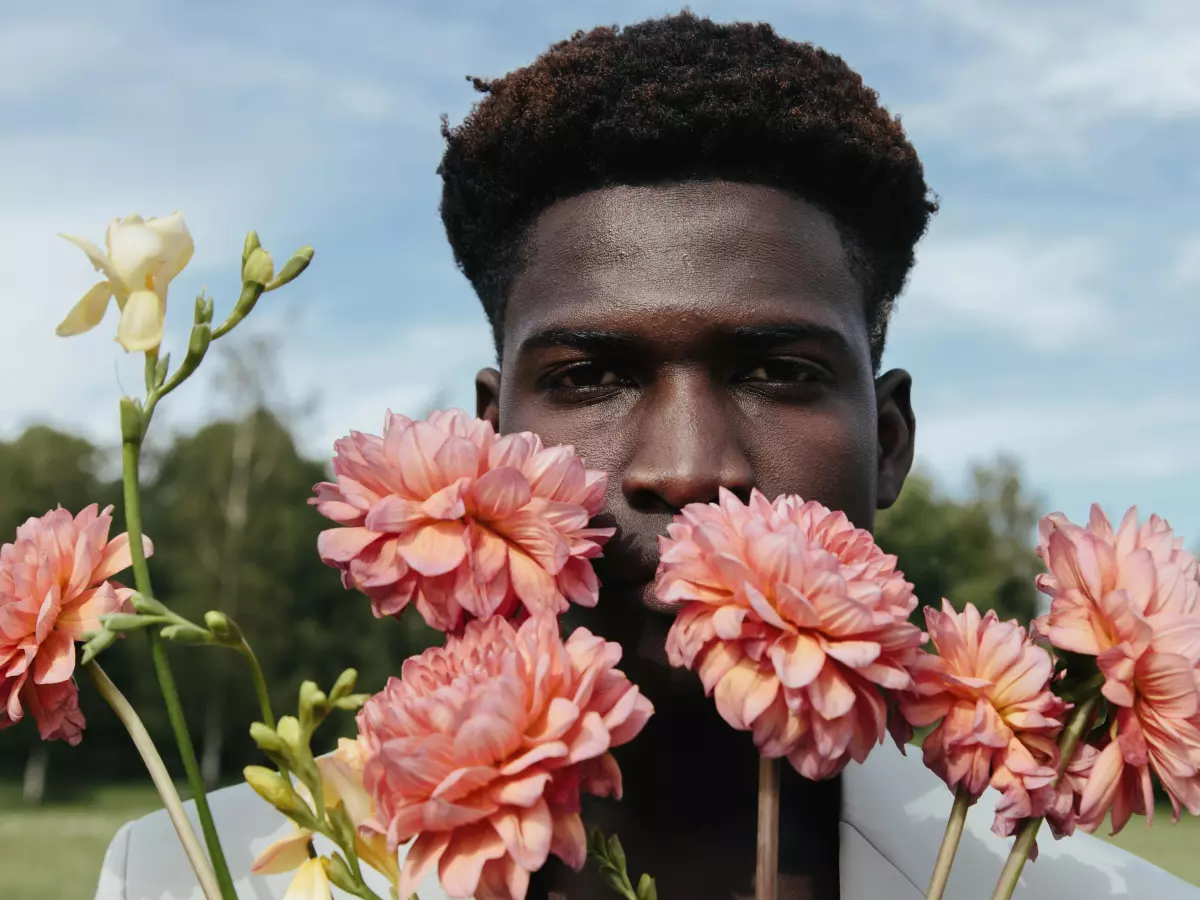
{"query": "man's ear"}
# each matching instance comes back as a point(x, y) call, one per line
point(897, 428)
point(487, 396)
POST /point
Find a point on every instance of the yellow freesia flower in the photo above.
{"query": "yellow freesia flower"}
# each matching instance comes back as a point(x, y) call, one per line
point(341, 782)
point(143, 256)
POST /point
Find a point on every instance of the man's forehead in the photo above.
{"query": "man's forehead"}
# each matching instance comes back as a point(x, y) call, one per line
point(624, 224)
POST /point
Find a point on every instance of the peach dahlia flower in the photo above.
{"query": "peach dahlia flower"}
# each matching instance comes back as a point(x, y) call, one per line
point(1131, 598)
point(53, 589)
point(466, 523)
point(794, 620)
point(480, 751)
point(988, 688)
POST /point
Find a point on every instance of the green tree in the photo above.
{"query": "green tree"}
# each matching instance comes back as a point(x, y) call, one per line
point(978, 549)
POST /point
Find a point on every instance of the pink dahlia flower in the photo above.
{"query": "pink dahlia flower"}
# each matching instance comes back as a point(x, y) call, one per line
point(480, 751)
point(794, 620)
point(53, 589)
point(988, 688)
point(1131, 598)
point(463, 521)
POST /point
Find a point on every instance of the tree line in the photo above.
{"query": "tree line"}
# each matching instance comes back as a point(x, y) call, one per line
point(226, 508)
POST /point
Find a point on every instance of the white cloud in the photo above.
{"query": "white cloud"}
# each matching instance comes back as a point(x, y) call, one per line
point(1186, 272)
point(1041, 294)
point(1030, 79)
point(1071, 439)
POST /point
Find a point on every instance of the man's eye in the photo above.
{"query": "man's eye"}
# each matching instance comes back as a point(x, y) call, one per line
point(586, 376)
point(780, 371)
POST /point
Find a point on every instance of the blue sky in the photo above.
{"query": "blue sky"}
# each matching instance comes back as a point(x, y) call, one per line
point(1053, 313)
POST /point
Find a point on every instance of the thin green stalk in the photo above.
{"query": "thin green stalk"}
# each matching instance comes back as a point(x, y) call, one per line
point(945, 858)
point(158, 774)
point(260, 683)
point(130, 451)
point(1081, 722)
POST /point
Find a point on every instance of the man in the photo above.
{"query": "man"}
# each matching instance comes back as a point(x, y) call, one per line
point(688, 238)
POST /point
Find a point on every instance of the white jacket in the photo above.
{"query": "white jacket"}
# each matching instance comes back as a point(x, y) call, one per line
point(893, 816)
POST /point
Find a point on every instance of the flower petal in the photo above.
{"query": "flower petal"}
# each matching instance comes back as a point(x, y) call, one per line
point(141, 326)
point(285, 854)
point(87, 313)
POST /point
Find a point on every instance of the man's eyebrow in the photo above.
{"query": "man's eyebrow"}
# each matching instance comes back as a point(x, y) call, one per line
point(596, 340)
point(788, 332)
point(581, 339)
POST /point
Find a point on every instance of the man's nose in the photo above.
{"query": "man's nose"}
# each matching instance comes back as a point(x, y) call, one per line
point(688, 447)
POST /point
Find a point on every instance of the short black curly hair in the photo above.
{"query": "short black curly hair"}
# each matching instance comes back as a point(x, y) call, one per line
point(680, 98)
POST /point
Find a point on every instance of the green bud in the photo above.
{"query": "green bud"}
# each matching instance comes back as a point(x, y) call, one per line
point(186, 634)
point(267, 740)
point(223, 628)
point(131, 420)
point(290, 733)
point(616, 852)
point(198, 343)
point(596, 845)
point(338, 873)
point(99, 642)
point(249, 247)
point(343, 829)
point(278, 791)
point(147, 605)
point(160, 370)
point(646, 889)
point(208, 311)
point(311, 697)
point(118, 622)
point(344, 685)
point(259, 267)
point(292, 268)
point(614, 880)
point(352, 702)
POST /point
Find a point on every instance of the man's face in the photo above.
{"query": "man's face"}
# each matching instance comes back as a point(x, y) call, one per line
point(695, 336)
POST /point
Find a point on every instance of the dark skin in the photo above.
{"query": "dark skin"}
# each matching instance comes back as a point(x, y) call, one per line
point(683, 338)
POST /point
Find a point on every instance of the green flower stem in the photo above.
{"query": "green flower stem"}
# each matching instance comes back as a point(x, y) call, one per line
point(945, 858)
point(158, 774)
point(260, 683)
point(130, 452)
point(1081, 722)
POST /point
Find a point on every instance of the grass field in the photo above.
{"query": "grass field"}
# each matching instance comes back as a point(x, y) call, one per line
point(53, 852)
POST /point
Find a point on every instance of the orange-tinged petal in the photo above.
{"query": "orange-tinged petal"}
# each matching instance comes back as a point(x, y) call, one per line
point(797, 660)
point(284, 855)
point(500, 493)
point(745, 693)
point(55, 661)
point(433, 548)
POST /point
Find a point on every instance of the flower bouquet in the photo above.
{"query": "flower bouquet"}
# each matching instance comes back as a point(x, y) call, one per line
point(474, 759)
